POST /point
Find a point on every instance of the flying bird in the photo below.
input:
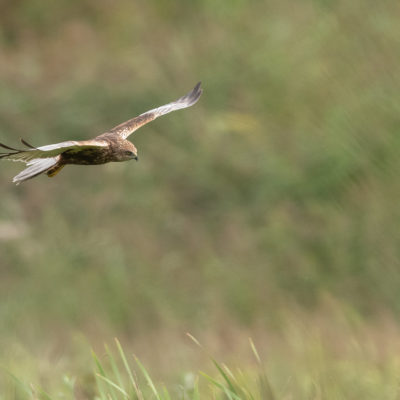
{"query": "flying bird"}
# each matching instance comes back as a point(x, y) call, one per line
point(107, 147)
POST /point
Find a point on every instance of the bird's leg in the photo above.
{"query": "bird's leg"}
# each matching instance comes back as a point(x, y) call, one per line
point(54, 170)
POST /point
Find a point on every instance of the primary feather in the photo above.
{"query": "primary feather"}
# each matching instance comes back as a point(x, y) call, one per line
point(35, 168)
point(128, 127)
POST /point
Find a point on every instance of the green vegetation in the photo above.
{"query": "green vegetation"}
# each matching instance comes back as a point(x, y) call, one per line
point(312, 373)
point(269, 210)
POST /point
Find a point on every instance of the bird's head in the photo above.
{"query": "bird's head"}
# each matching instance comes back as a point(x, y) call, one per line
point(127, 152)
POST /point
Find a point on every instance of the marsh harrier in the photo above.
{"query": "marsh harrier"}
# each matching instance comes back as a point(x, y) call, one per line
point(109, 146)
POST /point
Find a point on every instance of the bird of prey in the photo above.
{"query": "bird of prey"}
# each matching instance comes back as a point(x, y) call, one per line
point(109, 146)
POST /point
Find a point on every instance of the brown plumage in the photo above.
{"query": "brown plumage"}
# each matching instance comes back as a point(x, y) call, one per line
point(107, 147)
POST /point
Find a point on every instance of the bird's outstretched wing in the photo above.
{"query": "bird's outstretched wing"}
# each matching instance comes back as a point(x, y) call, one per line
point(50, 150)
point(130, 126)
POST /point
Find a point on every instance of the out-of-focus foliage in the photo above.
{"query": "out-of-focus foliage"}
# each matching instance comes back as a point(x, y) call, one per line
point(279, 187)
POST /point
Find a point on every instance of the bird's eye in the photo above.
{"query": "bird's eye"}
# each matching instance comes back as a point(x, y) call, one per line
point(129, 153)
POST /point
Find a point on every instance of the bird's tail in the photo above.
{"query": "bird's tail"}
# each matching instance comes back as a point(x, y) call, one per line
point(35, 168)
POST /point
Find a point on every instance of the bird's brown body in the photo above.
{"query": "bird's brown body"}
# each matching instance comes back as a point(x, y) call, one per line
point(116, 149)
point(85, 157)
point(110, 146)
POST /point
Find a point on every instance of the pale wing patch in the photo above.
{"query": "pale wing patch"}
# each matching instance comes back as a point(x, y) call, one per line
point(35, 168)
point(51, 150)
point(130, 126)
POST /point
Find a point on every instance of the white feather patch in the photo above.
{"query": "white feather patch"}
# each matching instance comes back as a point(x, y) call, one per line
point(35, 167)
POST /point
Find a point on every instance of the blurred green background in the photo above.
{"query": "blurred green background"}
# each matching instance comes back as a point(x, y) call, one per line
point(273, 200)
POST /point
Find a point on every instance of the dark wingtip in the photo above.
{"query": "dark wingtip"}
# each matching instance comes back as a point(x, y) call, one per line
point(197, 89)
point(8, 147)
point(24, 142)
point(195, 94)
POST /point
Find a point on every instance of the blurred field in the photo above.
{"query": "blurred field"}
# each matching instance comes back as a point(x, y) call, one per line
point(270, 209)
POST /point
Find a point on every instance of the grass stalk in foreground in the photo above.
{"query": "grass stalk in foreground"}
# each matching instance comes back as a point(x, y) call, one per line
point(307, 370)
point(116, 379)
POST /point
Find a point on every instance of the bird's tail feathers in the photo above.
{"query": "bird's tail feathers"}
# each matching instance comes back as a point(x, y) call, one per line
point(35, 167)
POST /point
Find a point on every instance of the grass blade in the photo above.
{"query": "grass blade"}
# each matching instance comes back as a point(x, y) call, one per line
point(255, 352)
point(28, 390)
point(193, 339)
point(148, 379)
point(114, 367)
point(230, 395)
point(225, 376)
point(166, 394)
point(98, 364)
point(265, 386)
point(196, 394)
point(114, 385)
point(44, 395)
point(128, 370)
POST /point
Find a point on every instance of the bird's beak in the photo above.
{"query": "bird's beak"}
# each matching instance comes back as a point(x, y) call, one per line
point(136, 158)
